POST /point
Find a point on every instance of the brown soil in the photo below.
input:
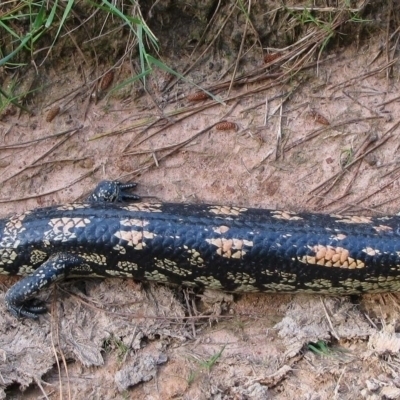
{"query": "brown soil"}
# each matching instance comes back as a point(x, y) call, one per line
point(297, 123)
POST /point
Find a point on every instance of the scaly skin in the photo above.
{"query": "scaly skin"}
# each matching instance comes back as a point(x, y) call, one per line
point(220, 247)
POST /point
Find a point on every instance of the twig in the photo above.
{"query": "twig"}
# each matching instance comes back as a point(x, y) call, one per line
point(200, 41)
point(388, 101)
point(61, 142)
point(205, 51)
point(333, 330)
point(328, 9)
point(362, 77)
point(372, 111)
point(350, 204)
point(33, 196)
point(29, 142)
point(55, 353)
point(266, 111)
point(240, 49)
point(339, 174)
point(318, 131)
point(279, 134)
point(39, 158)
point(359, 201)
point(172, 146)
point(376, 205)
point(337, 387)
point(189, 310)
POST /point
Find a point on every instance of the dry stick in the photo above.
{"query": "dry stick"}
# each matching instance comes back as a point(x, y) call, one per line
point(189, 311)
point(337, 387)
point(196, 110)
point(61, 142)
point(362, 77)
point(253, 76)
point(327, 9)
point(286, 97)
point(390, 172)
point(206, 28)
point(385, 137)
point(37, 381)
point(57, 360)
point(131, 128)
point(349, 204)
point(61, 353)
point(333, 330)
point(241, 58)
point(300, 61)
point(39, 158)
point(279, 134)
point(375, 192)
point(240, 50)
point(266, 111)
point(288, 75)
point(204, 52)
point(370, 139)
point(148, 127)
point(146, 90)
point(266, 87)
point(172, 146)
point(395, 47)
point(244, 81)
point(75, 92)
point(372, 111)
point(314, 37)
point(353, 178)
point(388, 101)
point(333, 200)
point(60, 161)
point(390, 9)
point(86, 103)
point(203, 107)
point(193, 110)
point(317, 37)
point(78, 48)
point(318, 131)
point(339, 174)
point(386, 201)
point(176, 148)
point(211, 104)
point(33, 196)
point(27, 143)
point(139, 316)
point(42, 164)
point(230, 111)
point(264, 103)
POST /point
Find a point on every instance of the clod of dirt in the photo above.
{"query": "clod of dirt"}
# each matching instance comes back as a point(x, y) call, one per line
point(307, 320)
point(143, 369)
point(385, 342)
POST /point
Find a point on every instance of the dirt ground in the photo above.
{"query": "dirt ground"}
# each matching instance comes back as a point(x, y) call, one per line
point(310, 126)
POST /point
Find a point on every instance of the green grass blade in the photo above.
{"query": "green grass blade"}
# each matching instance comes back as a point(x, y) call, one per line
point(14, 52)
point(8, 29)
point(67, 11)
point(50, 19)
point(40, 18)
point(129, 81)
